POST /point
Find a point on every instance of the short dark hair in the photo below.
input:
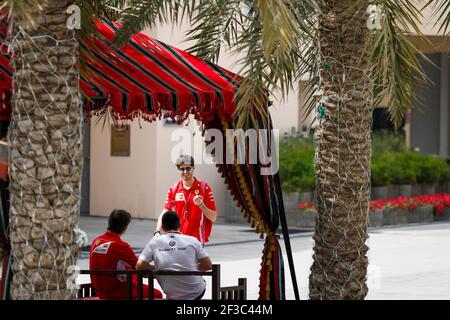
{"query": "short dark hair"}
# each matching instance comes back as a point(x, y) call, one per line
point(184, 159)
point(118, 220)
point(170, 220)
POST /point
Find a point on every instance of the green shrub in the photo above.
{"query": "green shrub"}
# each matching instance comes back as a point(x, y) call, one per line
point(445, 174)
point(387, 143)
point(402, 175)
point(401, 170)
point(380, 173)
point(297, 164)
point(307, 183)
point(391, 163)
point(428, 169)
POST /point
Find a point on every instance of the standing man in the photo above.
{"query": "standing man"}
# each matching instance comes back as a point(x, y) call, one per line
point(192, 200)
point(174, 251)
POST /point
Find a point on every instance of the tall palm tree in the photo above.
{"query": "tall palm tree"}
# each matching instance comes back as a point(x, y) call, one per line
point(342, 154)
point(351, 69)
point(358, 67)
point(45, 149)
point(45, 143)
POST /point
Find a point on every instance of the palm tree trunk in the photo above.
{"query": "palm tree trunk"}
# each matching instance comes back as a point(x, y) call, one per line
point(342, 155)
point(46, 159)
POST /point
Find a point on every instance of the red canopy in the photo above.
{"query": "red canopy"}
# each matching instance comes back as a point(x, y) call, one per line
point(144, 78)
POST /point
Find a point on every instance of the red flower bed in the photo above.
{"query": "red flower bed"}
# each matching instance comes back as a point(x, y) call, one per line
point(307, 206)
point(438, 201)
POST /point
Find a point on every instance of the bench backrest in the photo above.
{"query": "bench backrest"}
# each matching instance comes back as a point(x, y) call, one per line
point(238, 292)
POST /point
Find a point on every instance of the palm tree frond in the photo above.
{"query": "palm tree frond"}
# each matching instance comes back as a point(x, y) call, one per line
point(395, 59)
point(141, 14)
point(91, 9)
point(442, 10)
point(279, 27)
point(272, 59)
point(215, 23)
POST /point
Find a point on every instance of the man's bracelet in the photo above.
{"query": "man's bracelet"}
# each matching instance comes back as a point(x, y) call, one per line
point(156, 232)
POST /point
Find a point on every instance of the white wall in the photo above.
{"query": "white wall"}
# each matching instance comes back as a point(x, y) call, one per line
point(123, 182)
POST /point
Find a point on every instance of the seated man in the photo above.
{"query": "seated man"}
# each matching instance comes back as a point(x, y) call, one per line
point(173, 251)
point(109, 252)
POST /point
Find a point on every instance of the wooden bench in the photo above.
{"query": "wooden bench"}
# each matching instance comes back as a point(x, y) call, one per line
point(239, 292)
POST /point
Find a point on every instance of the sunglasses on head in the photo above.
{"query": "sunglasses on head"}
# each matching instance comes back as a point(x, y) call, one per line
point(186, 169)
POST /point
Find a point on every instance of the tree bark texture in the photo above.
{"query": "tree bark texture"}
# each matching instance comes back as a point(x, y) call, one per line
point(343, 149)
point(45, 155)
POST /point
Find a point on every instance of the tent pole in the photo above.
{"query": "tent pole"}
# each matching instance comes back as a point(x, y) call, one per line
point(287, 243)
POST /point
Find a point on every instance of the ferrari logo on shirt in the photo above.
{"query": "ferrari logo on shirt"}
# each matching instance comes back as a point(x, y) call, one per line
point(197, 191)
point(103, 248)
point(179, 196)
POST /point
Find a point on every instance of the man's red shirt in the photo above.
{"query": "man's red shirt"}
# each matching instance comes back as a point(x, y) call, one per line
point(192, 220)
point(109, 252)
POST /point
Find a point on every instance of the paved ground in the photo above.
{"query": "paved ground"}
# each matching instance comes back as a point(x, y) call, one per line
point(406, 262)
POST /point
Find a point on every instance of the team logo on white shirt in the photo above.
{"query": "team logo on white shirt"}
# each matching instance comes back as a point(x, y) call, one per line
point(172, 243)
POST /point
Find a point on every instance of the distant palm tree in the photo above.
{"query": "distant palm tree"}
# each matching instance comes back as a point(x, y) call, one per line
point(351, 69)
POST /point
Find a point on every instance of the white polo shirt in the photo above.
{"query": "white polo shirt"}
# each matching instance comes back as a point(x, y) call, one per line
point(176, 252)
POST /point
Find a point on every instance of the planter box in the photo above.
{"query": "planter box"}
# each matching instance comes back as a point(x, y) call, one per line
point(444, 216)
point(307, 219)
point(441, 187)
point(421, 215)
point(395, 216)
point(429, 188)
point(305, 197)
point(392, 192)
point(376, 218)
point(294, 216)
point(377, 193)
point(301, 218)
point(416, 189)
point(391, 216)
point(404, 190)
point(291, 200)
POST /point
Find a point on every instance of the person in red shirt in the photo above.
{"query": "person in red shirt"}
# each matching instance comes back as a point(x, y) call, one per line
point(192, 200)
point(109, 252)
